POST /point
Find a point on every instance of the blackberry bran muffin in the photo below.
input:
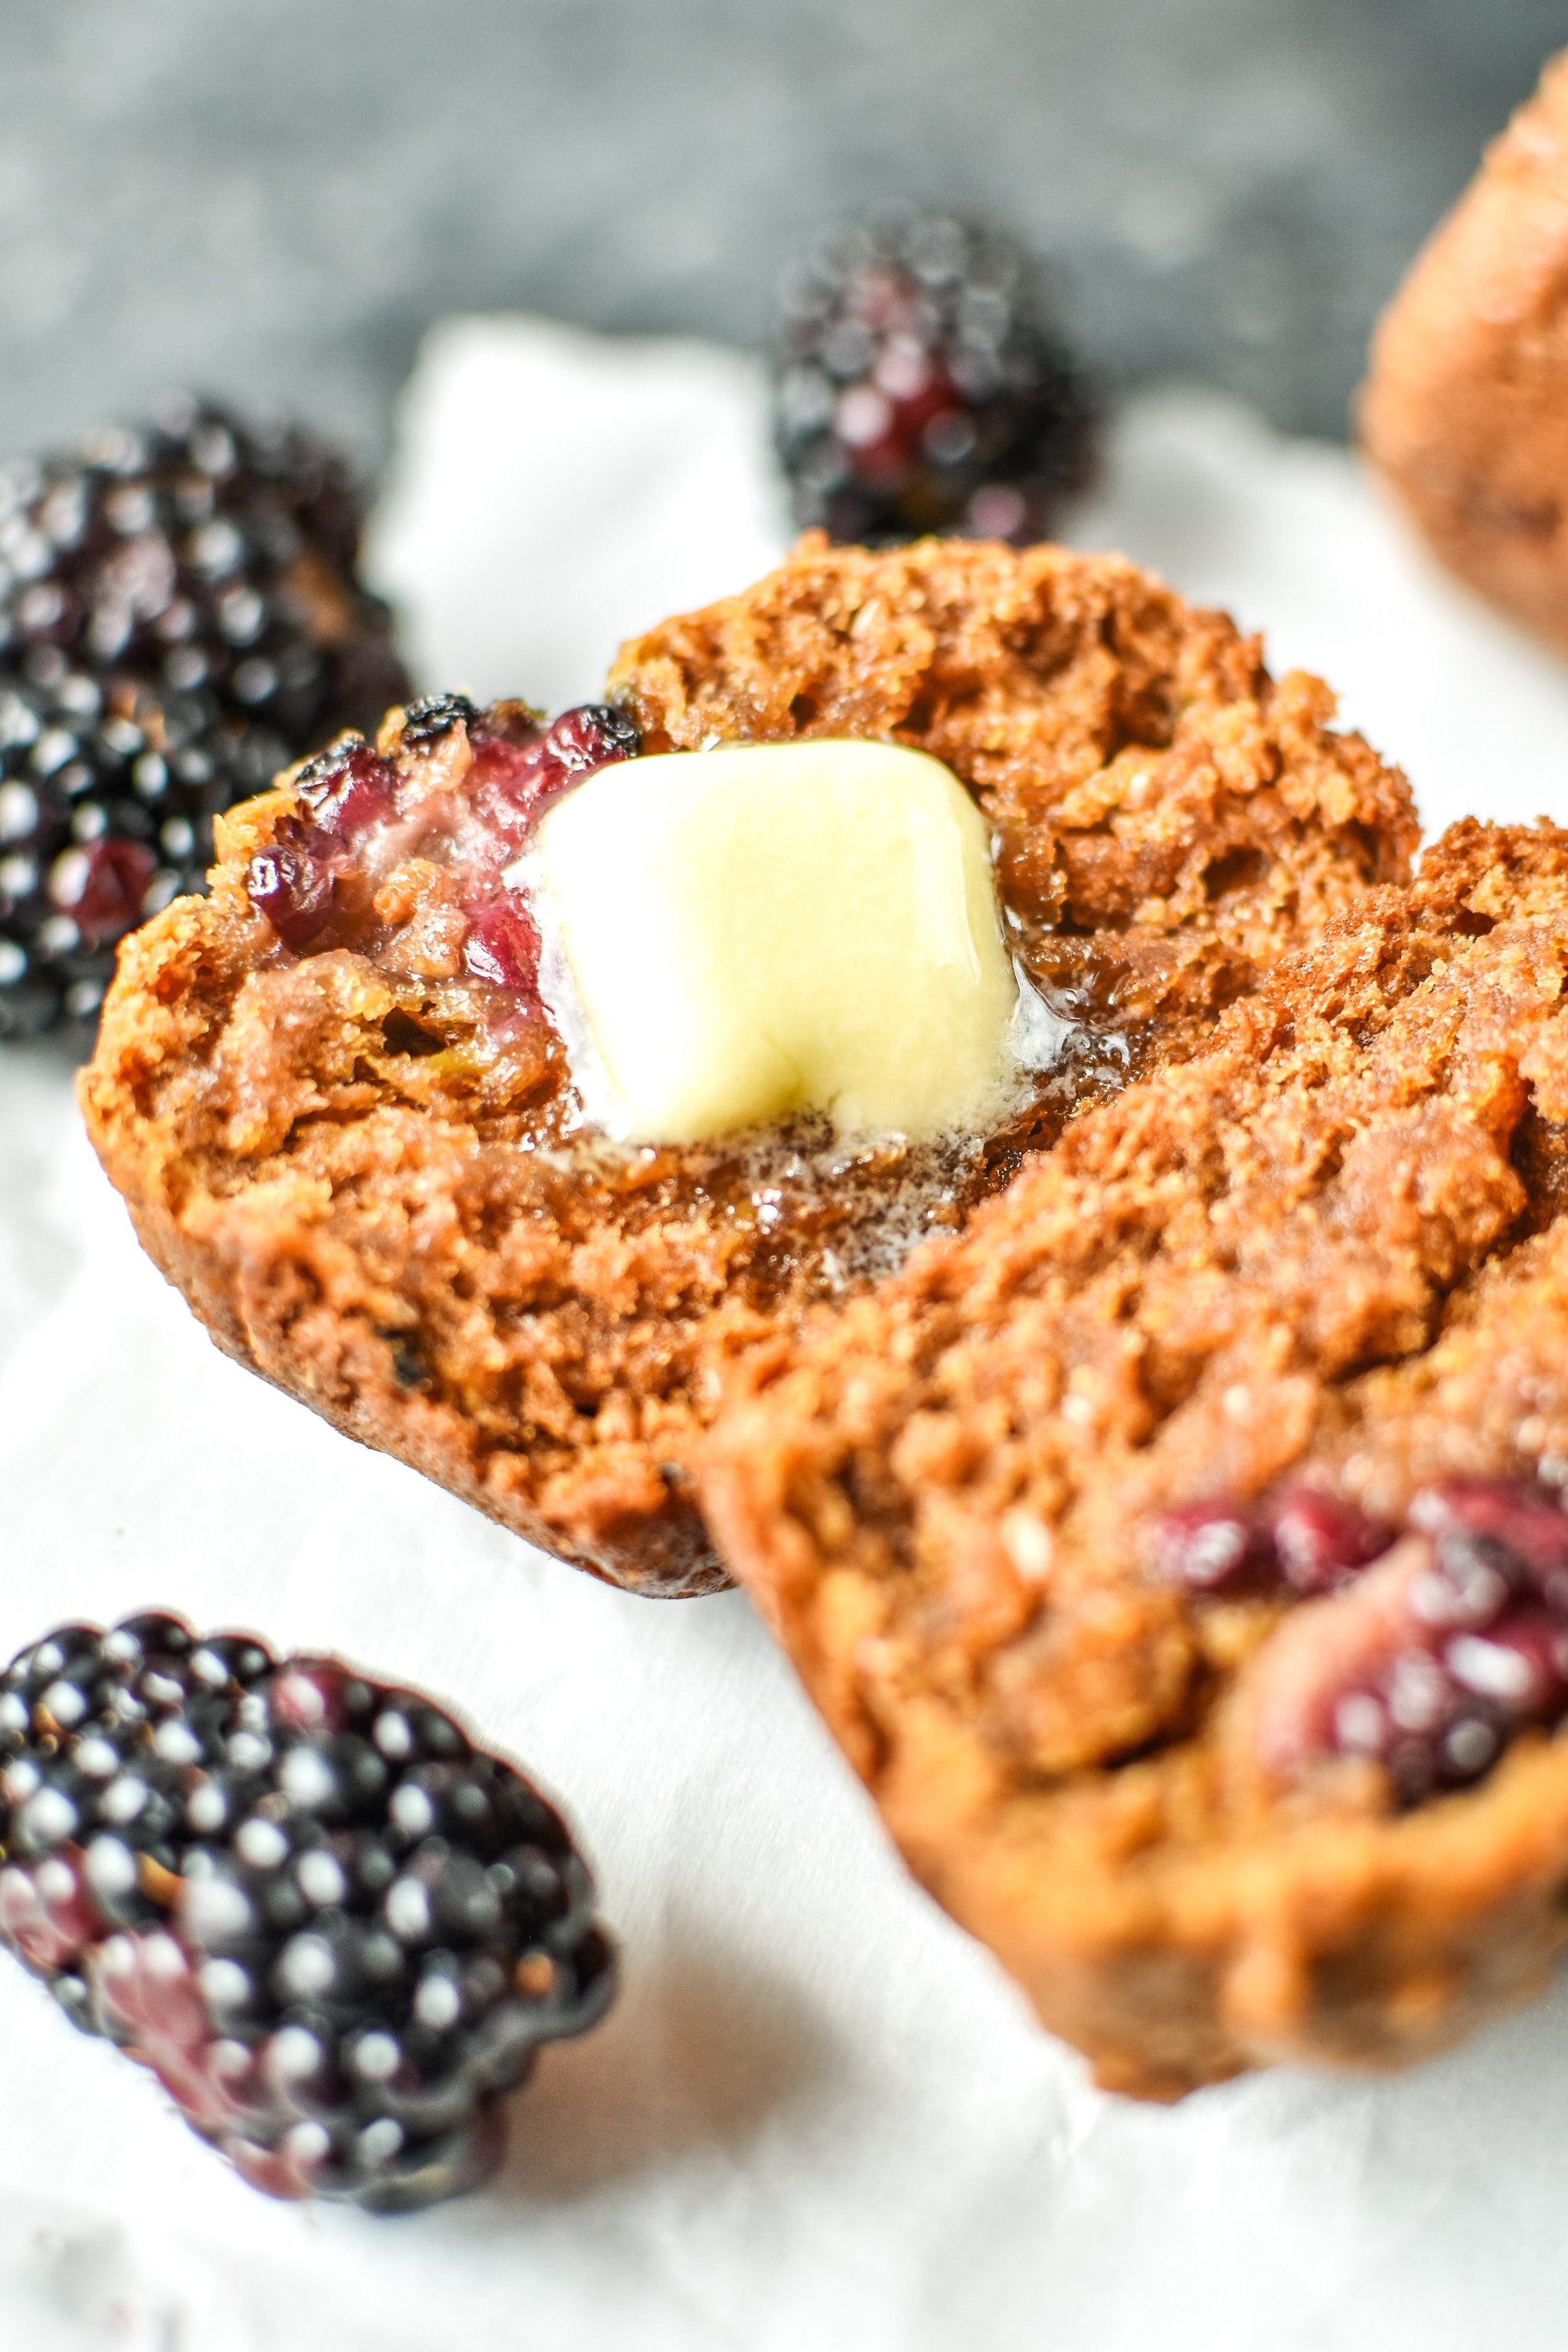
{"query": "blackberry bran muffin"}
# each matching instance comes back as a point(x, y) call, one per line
point(1178, 1553)
point(360, 1155)
point(1465, 411)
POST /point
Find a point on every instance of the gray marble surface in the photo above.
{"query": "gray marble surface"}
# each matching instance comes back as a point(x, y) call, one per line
point(274, 198)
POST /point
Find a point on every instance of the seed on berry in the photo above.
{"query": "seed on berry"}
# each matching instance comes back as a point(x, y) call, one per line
point(1211, 1547)
point(293, 890)
point(433, 717)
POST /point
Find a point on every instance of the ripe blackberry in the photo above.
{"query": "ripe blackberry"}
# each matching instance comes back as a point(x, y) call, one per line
point(922, 384)
point(335, 1929)
point(179, 618)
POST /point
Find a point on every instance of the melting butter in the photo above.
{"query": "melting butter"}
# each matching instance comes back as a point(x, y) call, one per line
point(769, 928)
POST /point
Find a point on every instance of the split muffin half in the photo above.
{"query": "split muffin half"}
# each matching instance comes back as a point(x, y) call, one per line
point(353, 1107)
point(1180, 1553)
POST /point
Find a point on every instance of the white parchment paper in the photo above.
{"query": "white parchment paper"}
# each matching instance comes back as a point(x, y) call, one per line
point(818, 2116)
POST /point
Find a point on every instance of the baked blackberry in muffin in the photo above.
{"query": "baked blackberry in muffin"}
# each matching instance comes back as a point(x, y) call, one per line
point(339, 1100)
point(1180, 1554)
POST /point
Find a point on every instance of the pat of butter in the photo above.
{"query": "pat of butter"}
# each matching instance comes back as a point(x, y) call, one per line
point(773, 928)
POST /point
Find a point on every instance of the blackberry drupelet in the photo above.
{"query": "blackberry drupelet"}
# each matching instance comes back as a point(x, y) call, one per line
point(179, 619)
point(335, 1929)
point(922, 384)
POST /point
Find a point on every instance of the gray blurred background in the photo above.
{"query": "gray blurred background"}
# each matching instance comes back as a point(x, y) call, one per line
point(271, 198)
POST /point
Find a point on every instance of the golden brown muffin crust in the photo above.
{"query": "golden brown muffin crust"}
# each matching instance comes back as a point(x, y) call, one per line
point(1170, 818)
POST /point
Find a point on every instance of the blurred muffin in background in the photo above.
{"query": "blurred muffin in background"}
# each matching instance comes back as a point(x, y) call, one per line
point(1465, 410)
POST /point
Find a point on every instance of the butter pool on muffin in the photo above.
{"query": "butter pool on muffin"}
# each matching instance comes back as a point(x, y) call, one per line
point(352, 1117)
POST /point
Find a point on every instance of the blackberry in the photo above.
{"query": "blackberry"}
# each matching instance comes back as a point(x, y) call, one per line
point(518, 768)
point(922, 384)
point(1300, 1535)
point(1447, 1636)
point(335, 1929)
point(179, 619)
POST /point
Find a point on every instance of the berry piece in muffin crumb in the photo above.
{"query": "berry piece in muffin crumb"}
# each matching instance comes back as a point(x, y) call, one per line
point(1447, 1636)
